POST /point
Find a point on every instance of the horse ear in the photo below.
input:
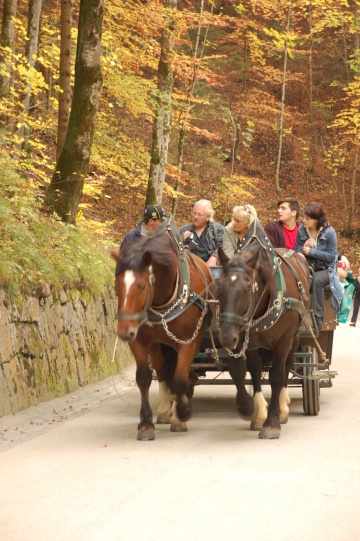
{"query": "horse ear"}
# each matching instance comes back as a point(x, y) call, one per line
point(223, 258)
point(114, 254)
point(146, 259)
point(253, 256)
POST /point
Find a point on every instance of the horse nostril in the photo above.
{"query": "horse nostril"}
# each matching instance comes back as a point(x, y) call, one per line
point(131, 336)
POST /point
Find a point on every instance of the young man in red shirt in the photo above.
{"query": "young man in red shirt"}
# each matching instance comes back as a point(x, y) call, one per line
point(282, 233)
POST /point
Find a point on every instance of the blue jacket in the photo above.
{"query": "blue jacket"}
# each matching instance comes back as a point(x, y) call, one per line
point(326, 250)
point(134, 234)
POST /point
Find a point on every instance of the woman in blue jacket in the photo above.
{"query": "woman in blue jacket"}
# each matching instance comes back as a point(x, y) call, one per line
point(317, 241)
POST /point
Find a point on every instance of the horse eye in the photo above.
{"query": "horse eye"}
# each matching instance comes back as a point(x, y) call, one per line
point(141, 288)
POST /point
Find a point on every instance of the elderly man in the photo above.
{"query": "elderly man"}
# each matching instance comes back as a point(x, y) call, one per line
point(153, 217)
point(203, 236)
point(282, 233)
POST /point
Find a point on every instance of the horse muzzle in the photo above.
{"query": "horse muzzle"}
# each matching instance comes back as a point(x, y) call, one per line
point(127, 331)
point(228, 336)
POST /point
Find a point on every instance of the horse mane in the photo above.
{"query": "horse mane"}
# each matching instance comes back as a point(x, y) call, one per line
point(161, 247)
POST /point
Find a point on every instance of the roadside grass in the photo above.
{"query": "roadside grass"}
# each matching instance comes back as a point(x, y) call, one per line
point(39, 251)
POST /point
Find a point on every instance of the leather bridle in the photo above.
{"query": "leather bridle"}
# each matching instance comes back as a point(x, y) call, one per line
point(141, 316)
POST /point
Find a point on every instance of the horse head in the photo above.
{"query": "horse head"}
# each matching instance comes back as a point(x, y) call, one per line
point(243, 290)
point(134, 279)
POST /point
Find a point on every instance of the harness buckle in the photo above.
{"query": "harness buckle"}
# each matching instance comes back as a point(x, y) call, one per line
point(184, 294)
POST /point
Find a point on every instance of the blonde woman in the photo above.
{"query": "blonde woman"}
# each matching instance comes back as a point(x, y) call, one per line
point(243, 228)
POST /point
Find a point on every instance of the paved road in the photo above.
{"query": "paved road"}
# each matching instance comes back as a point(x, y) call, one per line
point(72, 470)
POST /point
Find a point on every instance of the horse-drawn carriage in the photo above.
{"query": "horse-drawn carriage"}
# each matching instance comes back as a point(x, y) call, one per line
point(262, 319)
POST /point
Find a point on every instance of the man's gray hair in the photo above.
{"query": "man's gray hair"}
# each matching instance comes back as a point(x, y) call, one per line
point(208, 206)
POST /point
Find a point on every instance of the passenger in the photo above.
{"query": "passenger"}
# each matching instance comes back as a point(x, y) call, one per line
point(343, 267)
point(356, 300)
point(282, 233)
point(203, 236)
point(243, 228)
point(153, 218)
point(317, 241)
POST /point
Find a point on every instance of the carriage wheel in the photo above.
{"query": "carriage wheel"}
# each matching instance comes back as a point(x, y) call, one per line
point(311, 390)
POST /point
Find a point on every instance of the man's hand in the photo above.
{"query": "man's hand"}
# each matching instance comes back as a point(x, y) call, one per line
point(212, 261)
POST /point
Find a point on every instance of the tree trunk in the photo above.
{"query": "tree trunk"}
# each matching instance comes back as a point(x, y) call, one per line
point(65, 73)
point(31, 52)
point(65, 189)
point(162, 121)
point(350, 224)
point(7, 39)
point(281, 127)
point(182, 135)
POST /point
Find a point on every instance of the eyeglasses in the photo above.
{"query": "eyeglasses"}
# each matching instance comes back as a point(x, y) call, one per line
point(199, 214)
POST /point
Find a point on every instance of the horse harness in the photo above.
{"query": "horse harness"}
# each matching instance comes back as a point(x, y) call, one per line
point(277, 305)
point(181, 299)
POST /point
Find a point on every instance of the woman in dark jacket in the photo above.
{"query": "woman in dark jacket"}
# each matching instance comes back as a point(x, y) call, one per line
point(317, 241)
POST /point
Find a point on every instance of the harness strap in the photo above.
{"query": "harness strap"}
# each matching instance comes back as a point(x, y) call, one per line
point(300, 285)
point(228, 317)
point(173, 296)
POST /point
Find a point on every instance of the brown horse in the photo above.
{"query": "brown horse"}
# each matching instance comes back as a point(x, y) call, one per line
point(263, 298)
point(162, 293)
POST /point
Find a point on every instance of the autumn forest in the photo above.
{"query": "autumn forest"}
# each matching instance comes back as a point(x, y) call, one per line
point(110, 105)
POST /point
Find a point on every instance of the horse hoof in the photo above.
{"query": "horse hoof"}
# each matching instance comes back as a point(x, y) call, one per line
point(178, 427)
point(283, 419)
point(146, 433)
point(256, 425)
point(163, 420)
point(183, 411)
point(269, 433)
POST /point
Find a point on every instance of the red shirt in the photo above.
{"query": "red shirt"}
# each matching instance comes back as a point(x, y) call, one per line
point(290, 237)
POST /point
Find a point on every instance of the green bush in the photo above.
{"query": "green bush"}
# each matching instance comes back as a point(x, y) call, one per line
point(39, 250)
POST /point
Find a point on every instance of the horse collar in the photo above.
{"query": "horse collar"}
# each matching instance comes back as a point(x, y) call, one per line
point(276, 305)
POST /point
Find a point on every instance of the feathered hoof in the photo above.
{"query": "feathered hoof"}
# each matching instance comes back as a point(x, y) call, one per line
point(283, 419)
point(146, 433)
point(269, 433)
point(256, 425)
point(177, 426)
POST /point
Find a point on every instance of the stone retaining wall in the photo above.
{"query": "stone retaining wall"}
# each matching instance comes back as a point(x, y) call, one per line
point(52, 346)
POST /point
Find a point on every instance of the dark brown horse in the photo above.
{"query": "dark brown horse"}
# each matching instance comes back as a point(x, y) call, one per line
point(263, 298)
point(162, 294)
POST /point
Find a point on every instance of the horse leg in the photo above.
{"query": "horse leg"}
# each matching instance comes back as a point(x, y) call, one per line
point(180, 387)
point(159, 357)
point(165, 361)
point(164, 411)
point(254, 366)
point(284, 400)
point(245, 403)
point(277, 377)
point(146, 428)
